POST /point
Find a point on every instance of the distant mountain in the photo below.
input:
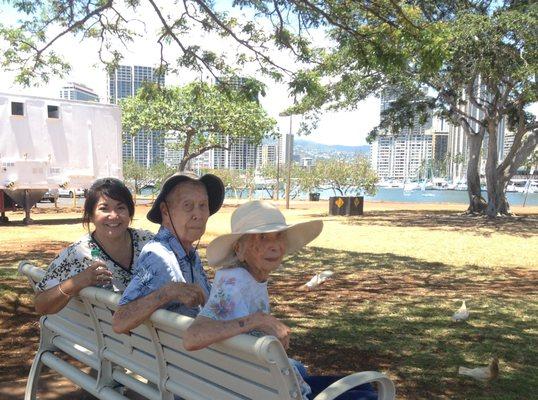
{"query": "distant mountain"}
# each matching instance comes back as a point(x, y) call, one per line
point(325, 148)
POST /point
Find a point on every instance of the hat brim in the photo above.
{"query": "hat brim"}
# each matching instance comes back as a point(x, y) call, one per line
point(212, 183)
point(220, 251)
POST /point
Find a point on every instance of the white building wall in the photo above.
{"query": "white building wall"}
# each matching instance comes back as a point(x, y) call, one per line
point(74, 145)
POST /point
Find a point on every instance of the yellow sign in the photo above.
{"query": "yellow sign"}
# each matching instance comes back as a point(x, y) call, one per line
point(339, 202)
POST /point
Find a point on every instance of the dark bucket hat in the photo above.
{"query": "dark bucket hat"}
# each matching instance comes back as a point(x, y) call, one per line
point(212, 183)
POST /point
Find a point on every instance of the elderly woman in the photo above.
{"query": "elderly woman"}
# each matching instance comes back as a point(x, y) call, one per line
point(259, 240)
point(103, 257)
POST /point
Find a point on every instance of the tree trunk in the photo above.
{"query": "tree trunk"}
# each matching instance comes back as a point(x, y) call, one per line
point(477, 204)
point(497, 203)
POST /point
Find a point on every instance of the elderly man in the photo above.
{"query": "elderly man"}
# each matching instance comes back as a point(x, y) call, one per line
point(169, 273)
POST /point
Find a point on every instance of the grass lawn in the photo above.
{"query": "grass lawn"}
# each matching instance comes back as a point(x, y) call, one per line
point(400, 272)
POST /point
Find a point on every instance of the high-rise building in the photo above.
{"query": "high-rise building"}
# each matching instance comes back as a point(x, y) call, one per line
point(146, 148)
point(77, 91)
point(267, 154)
point(239, 154)
point(400, 155)
point(125, 80)
point(172, 155)
point(242, 154)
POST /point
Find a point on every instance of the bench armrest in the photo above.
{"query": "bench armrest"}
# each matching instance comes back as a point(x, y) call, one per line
point(33, 273)
point(385, 389)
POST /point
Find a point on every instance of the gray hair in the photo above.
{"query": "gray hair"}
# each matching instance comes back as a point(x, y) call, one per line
point(234, 261)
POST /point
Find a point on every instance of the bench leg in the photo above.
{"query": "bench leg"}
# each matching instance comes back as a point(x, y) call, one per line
point(45, 345)
point(33, 377)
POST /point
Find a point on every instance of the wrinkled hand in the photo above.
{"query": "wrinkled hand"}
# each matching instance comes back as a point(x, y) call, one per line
point(95, 274)
point(189, 294)
point(272, 326)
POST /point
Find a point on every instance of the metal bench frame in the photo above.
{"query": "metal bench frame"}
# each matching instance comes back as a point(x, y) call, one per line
point(151, 360)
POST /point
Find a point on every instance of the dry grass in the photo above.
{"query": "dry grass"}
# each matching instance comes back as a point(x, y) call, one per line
point(435, 233)
point(400, 272)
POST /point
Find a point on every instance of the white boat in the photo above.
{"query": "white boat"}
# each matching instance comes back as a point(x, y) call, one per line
point(517, 185)
point(522, 186)
point(384, 184)
point(533, 186)
point(439, 184)
point(389, 184)
point(409, 186)
point(461, 186)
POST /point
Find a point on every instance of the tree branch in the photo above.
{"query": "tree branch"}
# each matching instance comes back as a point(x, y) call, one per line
point(238, 39)
point(70, 28)
point(521, 130)
point(528, 146)
point(170, 32)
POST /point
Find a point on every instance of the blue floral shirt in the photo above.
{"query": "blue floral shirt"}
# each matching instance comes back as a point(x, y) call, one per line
point(161, 261)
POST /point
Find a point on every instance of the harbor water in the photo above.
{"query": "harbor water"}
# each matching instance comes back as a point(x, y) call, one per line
point(398, 195)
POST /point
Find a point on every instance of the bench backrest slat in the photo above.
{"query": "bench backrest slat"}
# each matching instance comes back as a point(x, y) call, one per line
point(175, 352)
point(213, 375)
point(74, 316)
point(63, 327)
point(173, 339)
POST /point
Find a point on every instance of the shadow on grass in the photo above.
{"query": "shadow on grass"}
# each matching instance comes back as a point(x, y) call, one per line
point(525, 226)
point(45, 222)
point(391, 313)
point(39, 253)
point(378, 312)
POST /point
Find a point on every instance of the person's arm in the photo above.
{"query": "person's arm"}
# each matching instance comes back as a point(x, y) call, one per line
point(230, 311)
point(205, 331)
point(54, 299)
point(133, 313)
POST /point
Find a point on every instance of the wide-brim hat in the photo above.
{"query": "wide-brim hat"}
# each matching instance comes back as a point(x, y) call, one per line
point(212, 183)
point(260, 217)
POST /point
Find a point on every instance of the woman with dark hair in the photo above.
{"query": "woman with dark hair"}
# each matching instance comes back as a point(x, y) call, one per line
point(103, 257)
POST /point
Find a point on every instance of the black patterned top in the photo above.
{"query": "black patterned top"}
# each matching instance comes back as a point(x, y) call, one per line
point(77, 257)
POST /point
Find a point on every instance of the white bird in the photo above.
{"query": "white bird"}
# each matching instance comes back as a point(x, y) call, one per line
point(482, 373)
point(462, 314)
point(318, 279)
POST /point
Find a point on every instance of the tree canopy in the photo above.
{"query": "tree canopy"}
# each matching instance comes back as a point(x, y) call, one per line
point(199, 117)
point(471, 62)
point(31, 43)
point(347, 177)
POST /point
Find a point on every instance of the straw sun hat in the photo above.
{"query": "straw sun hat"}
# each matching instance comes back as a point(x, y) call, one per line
point(260, 217)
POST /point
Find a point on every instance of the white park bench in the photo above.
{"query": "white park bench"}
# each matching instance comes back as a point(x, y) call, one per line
point(152, 362)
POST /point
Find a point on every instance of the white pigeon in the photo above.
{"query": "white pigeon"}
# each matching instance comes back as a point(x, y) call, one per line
point(318, 279)
point(482, 373)
point(462, 314)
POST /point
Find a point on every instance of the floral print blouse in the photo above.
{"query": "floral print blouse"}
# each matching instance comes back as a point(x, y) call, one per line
point(235, 294)
point(77, 257)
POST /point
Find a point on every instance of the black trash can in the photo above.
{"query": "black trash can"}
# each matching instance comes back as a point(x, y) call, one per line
point(313, 196)
point(346, 205)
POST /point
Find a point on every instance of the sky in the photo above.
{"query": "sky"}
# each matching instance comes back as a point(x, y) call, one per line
point(343, 128)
